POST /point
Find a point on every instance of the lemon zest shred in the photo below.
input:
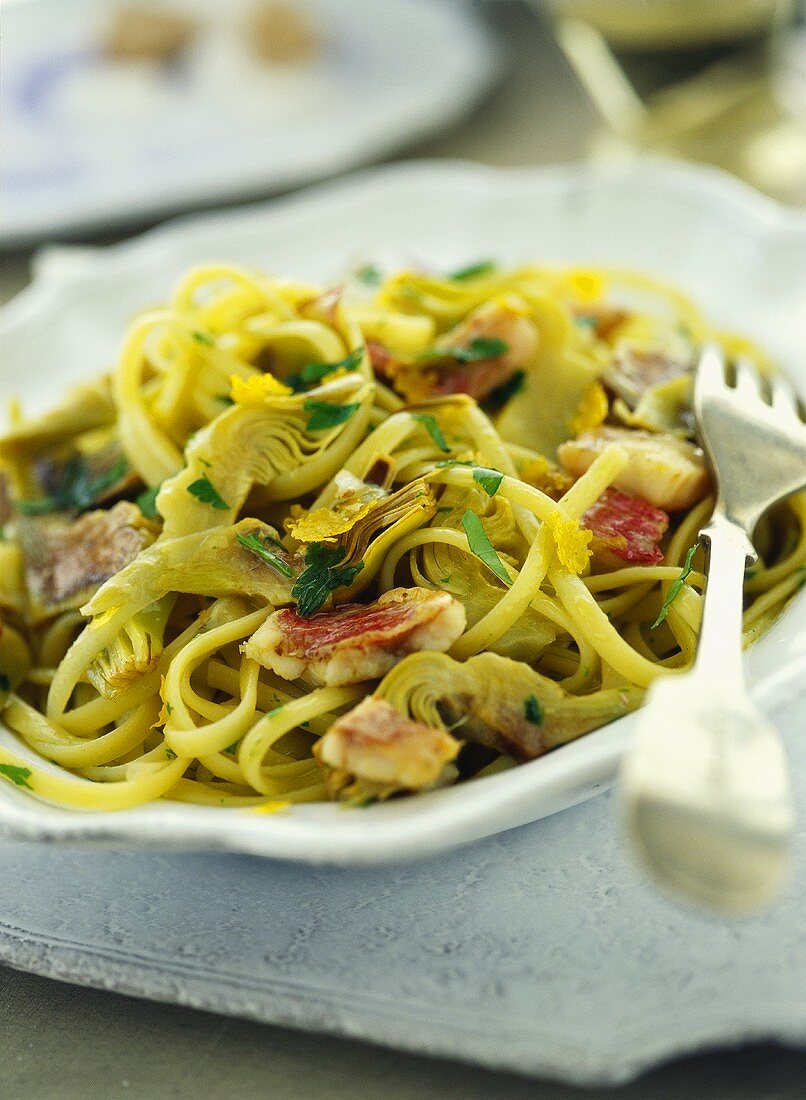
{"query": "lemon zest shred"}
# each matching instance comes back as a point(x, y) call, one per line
point(571, 540)
point(591, 410)
point(252, 392)
point(272, 807)
point(324, 523)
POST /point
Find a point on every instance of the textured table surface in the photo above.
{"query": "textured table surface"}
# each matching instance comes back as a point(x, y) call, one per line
point(488, 946)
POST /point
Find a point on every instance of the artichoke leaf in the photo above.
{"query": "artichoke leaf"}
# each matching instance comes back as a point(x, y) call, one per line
point(204, 563)
point(269, 446)
point(662, 408)
point(465, 578)
point(555, 383)
point(497, 702)
point(135, 652)
point(84, 407)
point(376, 528)
point(15, 661)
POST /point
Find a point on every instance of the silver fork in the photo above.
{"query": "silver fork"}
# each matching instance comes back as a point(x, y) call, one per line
point(704, 785)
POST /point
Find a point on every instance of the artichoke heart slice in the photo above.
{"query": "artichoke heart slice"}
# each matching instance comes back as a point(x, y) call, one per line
point(497, 702)
point(205, 563)
point(84, 407)
point(376, 528)
point(134, 652)
point(466, 579)
point(276, 445)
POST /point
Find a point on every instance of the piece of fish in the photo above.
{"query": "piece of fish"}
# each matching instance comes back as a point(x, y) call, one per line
point(357, 642)
point(376, 744)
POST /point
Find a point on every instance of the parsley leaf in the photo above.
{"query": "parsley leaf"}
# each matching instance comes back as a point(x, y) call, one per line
point(18, 776)
point(5, 683)
point(430, 424)
point(78, 488)
point(312, 373)
point(369, 275)
point(258, 547)
point(204, 490)
point(324, 415)
point(147, 502)
point(498, 397)
point(480, 348)
point(203, 338)
point(489, 480)
point(481, 546)
point(675, 587)
point(532, 710)
point(321, 576)
point(472, 271)
point(170, 754)
point(224, 399)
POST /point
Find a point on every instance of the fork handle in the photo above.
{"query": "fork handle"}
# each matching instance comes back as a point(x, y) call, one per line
point(719, 651)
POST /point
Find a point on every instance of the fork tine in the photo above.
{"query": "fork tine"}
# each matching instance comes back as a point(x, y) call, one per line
point(710, 376)
point(784, 397)
point(748, 380)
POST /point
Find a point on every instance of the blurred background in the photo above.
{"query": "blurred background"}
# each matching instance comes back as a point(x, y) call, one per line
point(115, 114)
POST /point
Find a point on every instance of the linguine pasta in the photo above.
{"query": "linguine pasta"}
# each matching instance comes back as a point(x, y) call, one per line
point(305, 544)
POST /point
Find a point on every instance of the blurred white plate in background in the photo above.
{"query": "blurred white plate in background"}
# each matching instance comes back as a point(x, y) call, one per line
point(87, 142)
point(741, 256)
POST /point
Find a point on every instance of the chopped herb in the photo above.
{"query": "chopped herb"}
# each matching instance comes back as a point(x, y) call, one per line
point(675, 587)
point(78, 489)
point(324, 415)
point(233, 748)
point(147, 502)
point(170, 754)
point(205, 463)
point(501, 394)
point(204, 490)
point(203, 338)
point(472, 271)
point(430, 424)
point(169, 709)
point(321, 576)
point(444, 580)
point(224, 399)
point(369, 275)
point(481, 546)
point(312, 373)
point(5, 683)
point(19, 776)
point(478, 349)
point(489, 480)
point(443, 508)
point(258, 547)
point(533, 712)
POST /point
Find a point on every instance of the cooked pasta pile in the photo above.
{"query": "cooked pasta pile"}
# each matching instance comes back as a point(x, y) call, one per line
point(305, 544)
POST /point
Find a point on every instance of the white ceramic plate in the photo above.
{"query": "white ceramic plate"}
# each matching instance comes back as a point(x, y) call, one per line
point(88, 143)
point(740, 255)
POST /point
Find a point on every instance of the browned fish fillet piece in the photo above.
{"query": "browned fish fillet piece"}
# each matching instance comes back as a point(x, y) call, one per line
point(377, 744)
point(66, 561)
